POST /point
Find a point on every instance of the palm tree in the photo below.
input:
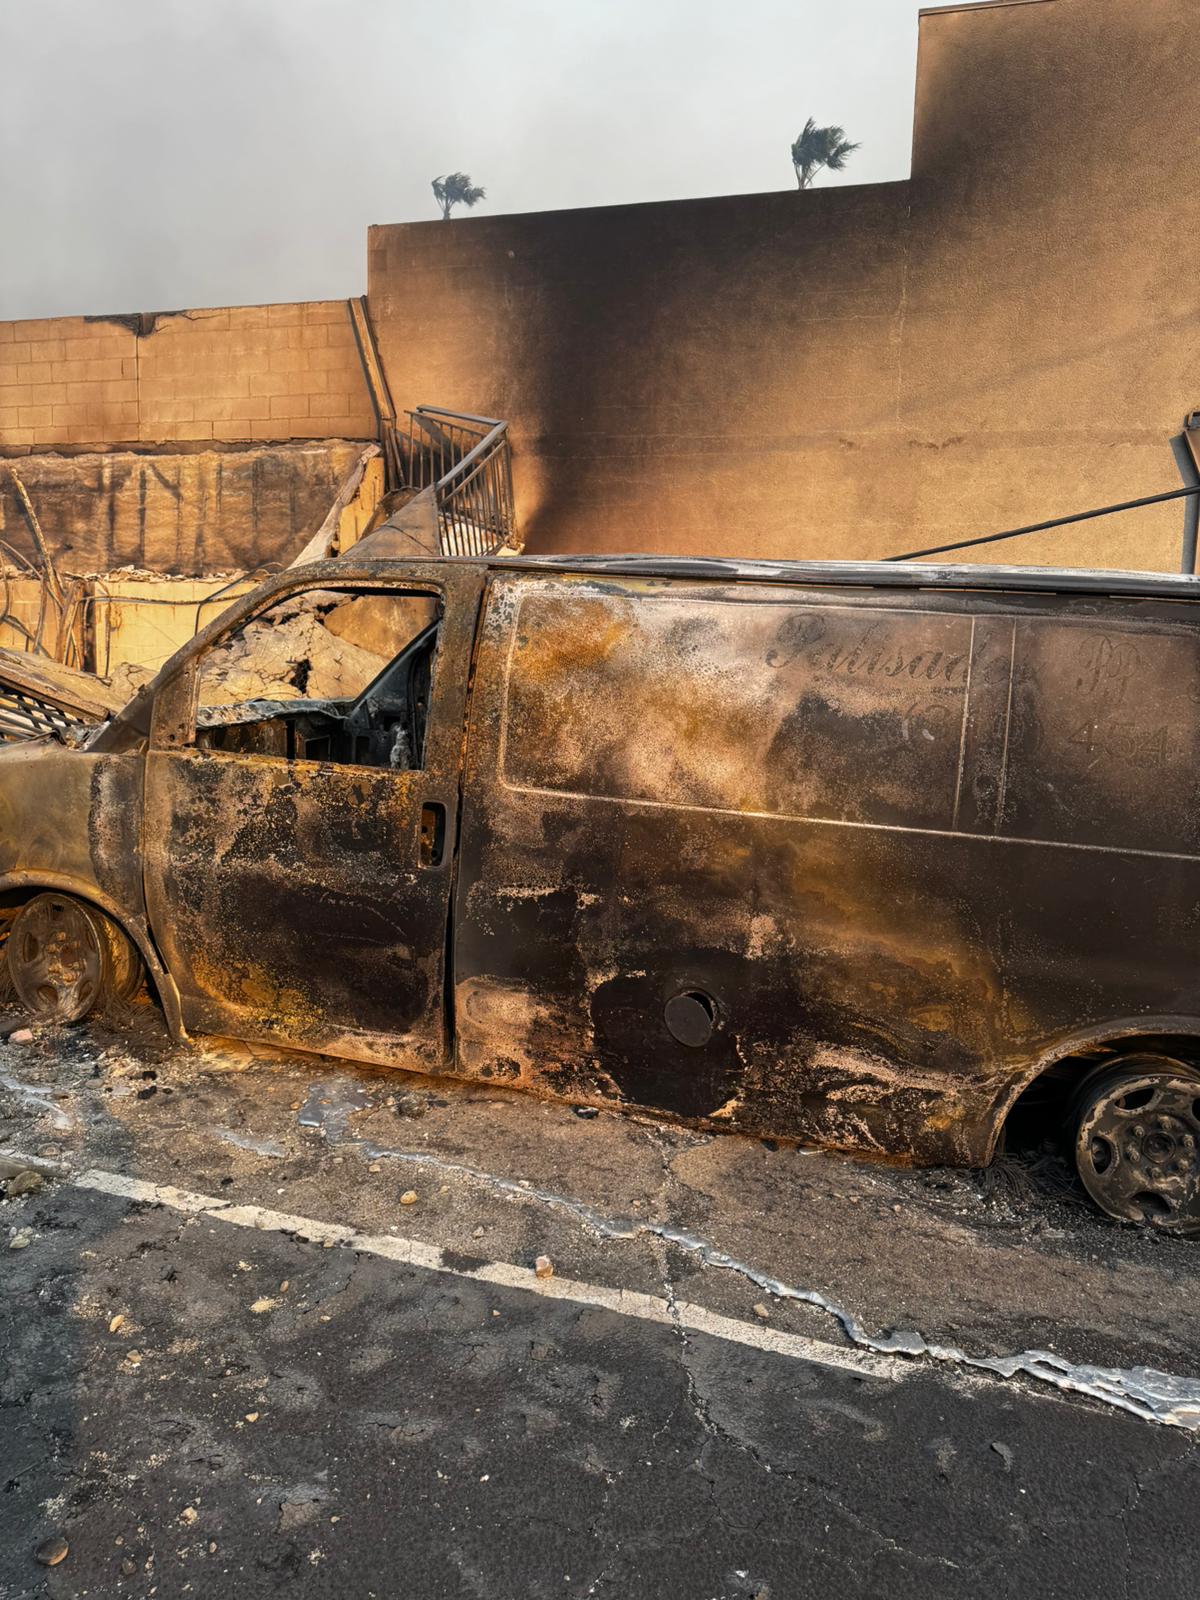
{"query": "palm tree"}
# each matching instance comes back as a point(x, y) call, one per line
point(456, 189)
point(817, 148)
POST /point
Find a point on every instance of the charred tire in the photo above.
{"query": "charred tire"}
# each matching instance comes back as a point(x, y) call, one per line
point(59, 956)
point(126, 967)
point(7, 992)
point(1135, 1131)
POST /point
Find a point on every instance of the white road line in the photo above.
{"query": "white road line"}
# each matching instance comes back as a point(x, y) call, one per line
point(415, 1253)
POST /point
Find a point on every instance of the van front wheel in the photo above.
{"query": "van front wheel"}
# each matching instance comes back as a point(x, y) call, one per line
point(1136, 1133)
point(60, 958)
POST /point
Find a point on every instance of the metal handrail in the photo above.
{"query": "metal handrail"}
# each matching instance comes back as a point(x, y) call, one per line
point(466, 460)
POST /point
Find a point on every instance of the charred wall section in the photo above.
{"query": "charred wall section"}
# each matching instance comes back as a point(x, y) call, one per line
point(1052, 293)
point(673, 375)
point(846, 373)
point(190, 513)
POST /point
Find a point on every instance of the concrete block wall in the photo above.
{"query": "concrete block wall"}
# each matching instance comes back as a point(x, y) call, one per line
point(271, 372)
point(66, 380)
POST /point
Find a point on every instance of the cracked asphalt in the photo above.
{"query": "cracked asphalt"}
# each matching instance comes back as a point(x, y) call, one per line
point(206, 1409)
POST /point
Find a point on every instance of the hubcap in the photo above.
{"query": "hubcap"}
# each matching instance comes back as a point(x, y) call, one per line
point(57, 955)
point(1137, 1147)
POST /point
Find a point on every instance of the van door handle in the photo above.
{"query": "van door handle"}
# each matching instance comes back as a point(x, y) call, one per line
point(433, 833)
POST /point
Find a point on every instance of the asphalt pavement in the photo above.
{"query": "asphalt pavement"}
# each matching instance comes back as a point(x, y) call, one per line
point(274, 1326)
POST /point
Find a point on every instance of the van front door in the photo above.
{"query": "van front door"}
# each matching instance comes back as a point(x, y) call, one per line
point(301, 806)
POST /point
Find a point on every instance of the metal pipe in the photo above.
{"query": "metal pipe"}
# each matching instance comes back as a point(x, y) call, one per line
point(1055, 522)
point(1186, 462)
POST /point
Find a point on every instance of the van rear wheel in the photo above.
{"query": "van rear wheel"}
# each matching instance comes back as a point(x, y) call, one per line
point(60, 958)
point(1136, 1139)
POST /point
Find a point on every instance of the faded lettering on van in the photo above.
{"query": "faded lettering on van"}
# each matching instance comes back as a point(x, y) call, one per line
point(873, 650)
point(775, 709)
point(1094, 709)
point(1129, 741)
point(1108, 664)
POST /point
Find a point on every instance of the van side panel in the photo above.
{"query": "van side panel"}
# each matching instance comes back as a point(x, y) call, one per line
point(71, 816)
point(784, 811)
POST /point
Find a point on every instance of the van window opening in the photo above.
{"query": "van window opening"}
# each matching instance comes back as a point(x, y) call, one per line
point(325, 675)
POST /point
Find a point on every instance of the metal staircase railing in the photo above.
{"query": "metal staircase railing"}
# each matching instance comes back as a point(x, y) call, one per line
point(467, 463)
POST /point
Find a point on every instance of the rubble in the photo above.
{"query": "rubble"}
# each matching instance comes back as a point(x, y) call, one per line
point(26, 1182)
point(52, 1551)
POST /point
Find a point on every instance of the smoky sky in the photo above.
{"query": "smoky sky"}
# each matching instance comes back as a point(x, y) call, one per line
point(156, 154)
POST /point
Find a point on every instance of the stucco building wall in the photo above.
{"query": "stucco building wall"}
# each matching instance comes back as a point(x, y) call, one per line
point(847, 372)
point(850, 372)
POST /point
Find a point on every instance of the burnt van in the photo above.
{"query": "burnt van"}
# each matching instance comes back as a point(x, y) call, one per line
point(851, 855)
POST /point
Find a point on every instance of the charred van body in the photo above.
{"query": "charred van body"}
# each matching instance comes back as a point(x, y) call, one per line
point(850, 855)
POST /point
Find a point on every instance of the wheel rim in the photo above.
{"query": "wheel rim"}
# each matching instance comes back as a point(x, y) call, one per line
point(1137, 1147)
point(58, 958)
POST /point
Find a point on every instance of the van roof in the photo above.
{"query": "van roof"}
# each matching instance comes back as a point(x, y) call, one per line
point(871, 574)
